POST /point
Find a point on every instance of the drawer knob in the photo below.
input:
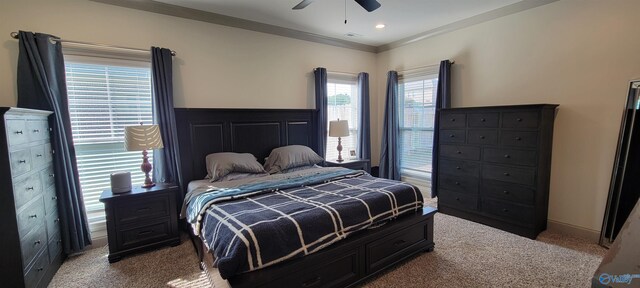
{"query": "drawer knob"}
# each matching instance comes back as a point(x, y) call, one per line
point(38, 155)
point(22, 161)
point(54, 198)
point(453, 119)
point(33, 216)
point(311, 282)
point(505, 192)
point(519, 119)
point(36, 131)
point(457, 183)
point(19, 132)
point(452, 136)
point(399, 242)
point(457, 198)
point(506, 174)
point(505, 210)
point(59, 241)
point(518, 138)
point(57, 220)
point(483, 120)
point(507, 156)
point(30, 188)
point(457, 167)
point(37, 242)
point(482, 137)
point(51, 175)
point(459, 152)
point(39, 269)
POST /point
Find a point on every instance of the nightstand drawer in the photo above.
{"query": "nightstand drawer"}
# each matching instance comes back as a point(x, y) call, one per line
point(133, 211)
point(134, 237)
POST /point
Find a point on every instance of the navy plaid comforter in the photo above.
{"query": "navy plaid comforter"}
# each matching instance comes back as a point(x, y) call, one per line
point(264, 229)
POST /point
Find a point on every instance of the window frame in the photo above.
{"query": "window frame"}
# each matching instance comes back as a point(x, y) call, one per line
point(344, 79)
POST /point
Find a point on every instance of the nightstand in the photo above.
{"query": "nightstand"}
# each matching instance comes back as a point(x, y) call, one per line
point(355, 164)
point(141, 219)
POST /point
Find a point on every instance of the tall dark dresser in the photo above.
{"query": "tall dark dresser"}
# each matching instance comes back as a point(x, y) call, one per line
point(30, 244)
point(494, 165)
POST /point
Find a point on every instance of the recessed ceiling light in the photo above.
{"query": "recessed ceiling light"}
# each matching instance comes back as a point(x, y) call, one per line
point(380, 26)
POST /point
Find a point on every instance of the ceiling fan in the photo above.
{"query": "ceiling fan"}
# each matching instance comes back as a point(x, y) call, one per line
point(369, 5)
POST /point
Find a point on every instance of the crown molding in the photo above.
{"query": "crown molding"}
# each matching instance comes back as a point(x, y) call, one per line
point(214, 18)
point(464, 23)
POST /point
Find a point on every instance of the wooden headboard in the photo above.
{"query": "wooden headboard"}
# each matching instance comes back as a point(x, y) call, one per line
point(256, 131)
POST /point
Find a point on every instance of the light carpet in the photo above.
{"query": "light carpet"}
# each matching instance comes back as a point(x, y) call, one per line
point(467, 254)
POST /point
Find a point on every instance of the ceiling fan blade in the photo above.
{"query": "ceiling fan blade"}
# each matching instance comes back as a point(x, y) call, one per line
point(302, 4)
point(369, 5)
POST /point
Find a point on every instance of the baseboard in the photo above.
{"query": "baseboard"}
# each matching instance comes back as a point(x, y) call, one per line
point(572, 230)
point(98, 242)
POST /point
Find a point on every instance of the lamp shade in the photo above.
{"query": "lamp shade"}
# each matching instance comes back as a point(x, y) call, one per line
point(142, 137)
point(338, 128)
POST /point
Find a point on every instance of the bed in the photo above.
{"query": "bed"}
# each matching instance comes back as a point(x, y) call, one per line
point(340, 261)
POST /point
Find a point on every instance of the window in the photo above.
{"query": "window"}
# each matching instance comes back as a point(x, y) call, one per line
point(105, 96)
point(417, 111)
point(342, 104)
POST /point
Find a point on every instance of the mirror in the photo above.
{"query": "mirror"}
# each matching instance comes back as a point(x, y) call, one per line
point(624, 189)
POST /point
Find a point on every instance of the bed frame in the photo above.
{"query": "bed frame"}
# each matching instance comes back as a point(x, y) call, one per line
point(258, 131)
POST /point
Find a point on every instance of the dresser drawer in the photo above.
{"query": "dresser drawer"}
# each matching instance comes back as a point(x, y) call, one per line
point(483, 136)
point(16, 132)
point(524, 176)
point(458, 200)
point(452, 136)
point(459, 168)
point(459, 184)
point(55, 247)
point(38, 158)
point(20, 162)
point(134, 211)
point(506, 191)
point(521, 119)
point(134, 237)
point(460, 152)
point(483, 120)
point(384, 251)
point(334, 273)
point(53, 225)
point(32, 244)
point(31, 217)
point(519, 138)
point(47, 176)
point(509, 211)
point(36, 271)
point(48, 152)
point(452, 120)
point(26, 188)
point(38, 130)
point(50, 200)
point(510, 156)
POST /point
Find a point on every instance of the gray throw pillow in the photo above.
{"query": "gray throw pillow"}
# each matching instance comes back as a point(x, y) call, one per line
point(223, 163)
point(292, 156)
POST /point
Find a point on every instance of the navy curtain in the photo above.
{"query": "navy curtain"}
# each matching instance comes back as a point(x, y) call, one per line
point(389, 153)
point(364, 123)
point(443, 100)
point(167, 162)
point(42, 85)
point(321, 108)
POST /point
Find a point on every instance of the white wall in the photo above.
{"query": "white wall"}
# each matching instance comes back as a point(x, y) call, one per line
point(579, 54)
point(216, 66)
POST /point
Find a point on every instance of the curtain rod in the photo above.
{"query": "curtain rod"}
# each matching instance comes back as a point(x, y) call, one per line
point(338, 72)
point(14, 35)
point(426, 66)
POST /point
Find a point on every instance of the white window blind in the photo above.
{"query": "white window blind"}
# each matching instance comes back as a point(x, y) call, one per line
point(417, 111)
point(342, 104)
point(105, 95)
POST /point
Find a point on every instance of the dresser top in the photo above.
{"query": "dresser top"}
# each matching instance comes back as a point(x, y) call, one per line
point(21, 111)
point(504, 107)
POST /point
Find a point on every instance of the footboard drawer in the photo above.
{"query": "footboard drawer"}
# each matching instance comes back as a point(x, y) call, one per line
point(335, 273)
point(390, 248)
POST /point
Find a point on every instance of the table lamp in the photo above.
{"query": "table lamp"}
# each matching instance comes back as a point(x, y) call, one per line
point(143, 138)
point(339, 128)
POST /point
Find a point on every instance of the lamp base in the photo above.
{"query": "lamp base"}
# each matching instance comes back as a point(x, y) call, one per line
point(339, 150)
point(146, 168)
